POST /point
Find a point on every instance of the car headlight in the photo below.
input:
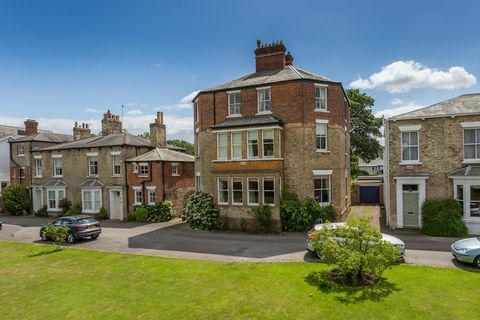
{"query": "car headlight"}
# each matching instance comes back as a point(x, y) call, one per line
point(462, 250)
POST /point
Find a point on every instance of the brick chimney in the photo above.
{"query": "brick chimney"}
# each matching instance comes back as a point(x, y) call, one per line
point(270, 56)
point(158, 133)
point(31, 127)
point(81, 132)
point(288, 59)
point(111, 124)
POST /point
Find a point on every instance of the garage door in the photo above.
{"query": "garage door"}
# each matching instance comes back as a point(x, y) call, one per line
point(369, 194)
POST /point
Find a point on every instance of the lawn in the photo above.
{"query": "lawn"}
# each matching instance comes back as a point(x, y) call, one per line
point(36, 283)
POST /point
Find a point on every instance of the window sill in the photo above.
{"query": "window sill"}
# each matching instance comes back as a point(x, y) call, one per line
point(57, 176)
point(471, 161)
point(223, 204)
point(237, 204)
point(92, 176)
point(20, 155)
point(37, 177)
point(409, 163)
point(143, 176)
point(321, 110)
point(263, 113)
point(175, 175)
point(234, 116)
point(54, 210)
point(117, 176)
point(253, 204)
point(322, 151)
point(90, 211)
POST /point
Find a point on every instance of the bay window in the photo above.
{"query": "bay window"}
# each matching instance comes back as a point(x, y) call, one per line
point(222, 146)
point(268, 191)
point(236, 145)
point(222, 191)
point(237, 191)
point(91, 200)
point(253, 191)
point(267, 137)
point(252, 151)
point(53, 198)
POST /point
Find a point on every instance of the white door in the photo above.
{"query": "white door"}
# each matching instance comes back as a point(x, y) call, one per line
point(37, 200)
point(116, 204)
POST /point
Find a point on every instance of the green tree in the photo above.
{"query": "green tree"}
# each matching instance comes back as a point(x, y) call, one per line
point(364, 129)
point(16, 199)
point(57, 234)
point(189, 148)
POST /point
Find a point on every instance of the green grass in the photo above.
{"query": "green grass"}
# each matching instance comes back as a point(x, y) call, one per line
point(36, 283)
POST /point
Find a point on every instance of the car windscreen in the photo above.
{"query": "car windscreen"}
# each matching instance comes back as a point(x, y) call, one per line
point(86, 220)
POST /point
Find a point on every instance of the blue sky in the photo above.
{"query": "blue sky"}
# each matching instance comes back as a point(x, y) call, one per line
point(64, 61)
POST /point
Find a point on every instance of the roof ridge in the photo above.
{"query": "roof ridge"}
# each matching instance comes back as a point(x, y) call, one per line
point(296, 71)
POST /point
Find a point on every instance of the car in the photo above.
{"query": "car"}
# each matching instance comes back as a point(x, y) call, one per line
point(467, 250)
point(394, 241)
point(81, 226)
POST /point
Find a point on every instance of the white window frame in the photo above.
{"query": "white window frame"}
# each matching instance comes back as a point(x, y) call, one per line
point(142, 165)
point(257, 190)
point(235, 104)
point(263, 143)
point(57, 158)
point(476, 144)
point(319, 98)
point(137, 192)
point(222, 146)
point(38, 166)
point(321, 122)
point(93, 201)
point(92, 166)
point(56, 199)
point(223, 190)
point(249, 156)
point(151, 195)
point(20, 150)
point(263, 103)
point(116, 155)
point(237, 179)
point(410, 161)
point(233, 145)
point(329, 190)
point(175, 169)
point(263, 191)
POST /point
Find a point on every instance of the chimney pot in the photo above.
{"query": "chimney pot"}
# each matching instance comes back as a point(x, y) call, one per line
point(270, 56)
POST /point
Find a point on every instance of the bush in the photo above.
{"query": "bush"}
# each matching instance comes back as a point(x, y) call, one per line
point(76, 210)
point(357, 249)
point(160, 212)
point(263, 215)
point(102, 214)
point(43, 212)
point(131, 217)
point(65, 205)
point(58, 234)
point(141, 214)
point(16, 199)
point(201, 212)
point(443, 218)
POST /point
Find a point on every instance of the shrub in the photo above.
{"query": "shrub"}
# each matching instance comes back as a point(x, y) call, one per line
point(65, 205)
point(131, 217)
point(43, 212)
point(289, 205)
point(141, 214)
point(159, 212)
point(76, 210)
point(443, 218)
point(16, 199)
point(357, 249)
point(263, 215)
point(201, 212)
point(102, 214)
point(58, 234)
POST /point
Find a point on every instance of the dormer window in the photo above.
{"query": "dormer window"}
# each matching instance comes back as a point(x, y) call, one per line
point(263, 97)
point(320, 98)
point(234, 103)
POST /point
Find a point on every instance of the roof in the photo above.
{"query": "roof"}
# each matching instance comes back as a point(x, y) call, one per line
point(91, 183)
point(162, 154)
point(249, 121)
point(467, 104)
point(468, 171)
point(46, 137)
point(288, 73)
point(373, 163)
point(56, 183)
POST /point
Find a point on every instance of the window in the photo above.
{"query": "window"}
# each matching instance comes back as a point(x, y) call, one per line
point(410, 146)
point(474, 201)
point(116, 164)
point(92, 165)
point(222, 143)
point(54, 197)
point(321, 136)
point(252, 144)
point(38, 167)
point(22, 172)
point(267, 137)
point(222, 191)
point(135, 168)
point(237, 191)
point(471, 143)
point(57, 167)
point(322, 189)
point(151, 196)
point(143, 170)
point(91, 200)
point(236, 145)
point(20, 150)
point(137, 195)
point(320, 98)
point(197, 144)
point(268, 191)
point(263, 96)
point(175, 171)
point(197, 181)
point(460, 196)
point(234, 103)
point(197, 112)
point(253, 191)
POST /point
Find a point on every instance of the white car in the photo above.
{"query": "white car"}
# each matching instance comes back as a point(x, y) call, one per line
point(394, 241)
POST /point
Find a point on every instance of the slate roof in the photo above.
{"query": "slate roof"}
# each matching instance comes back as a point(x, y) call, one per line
point(248, 122)
point(466, 104)
point(468, 171)
point(161, 154)
point(46, 137)
point(56, 183)
point(269, 76)
point(91, 183)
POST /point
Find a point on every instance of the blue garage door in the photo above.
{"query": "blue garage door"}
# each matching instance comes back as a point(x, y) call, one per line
point(369, 194)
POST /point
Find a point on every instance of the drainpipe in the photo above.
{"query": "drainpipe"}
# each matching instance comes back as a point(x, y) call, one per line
point(31, 178)
point(126, 180)
point(386, 173)
point(11, 159)
point(150, 174)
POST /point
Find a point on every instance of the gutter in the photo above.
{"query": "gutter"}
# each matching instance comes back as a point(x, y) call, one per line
point(386, 173)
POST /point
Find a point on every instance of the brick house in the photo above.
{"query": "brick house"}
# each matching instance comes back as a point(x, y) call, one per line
point(91, 170)
point(279, 128)
point(433, 153)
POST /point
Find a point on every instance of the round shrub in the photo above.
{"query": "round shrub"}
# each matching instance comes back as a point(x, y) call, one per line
point(141, 214)
point(43, 212)
point(76, 210)
point(264, 217)
point(102, 214)
point(16, 199)
point(201, 212)
point(131, 217)
point(443, 218)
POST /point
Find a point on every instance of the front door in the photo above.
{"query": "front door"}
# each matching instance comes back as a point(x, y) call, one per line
point(115, 205)
point(37, 200)
point(410, 206)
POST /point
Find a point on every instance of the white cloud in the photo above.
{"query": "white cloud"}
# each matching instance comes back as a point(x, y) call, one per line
point(403, 76)
point(396, 101)
point(390, 112)
point(134, 112)
point(184, 103)
point(93, 110)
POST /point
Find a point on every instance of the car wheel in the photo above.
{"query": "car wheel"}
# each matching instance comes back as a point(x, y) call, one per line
point(43, 236)
point(476, 262)
point(70, 238)
point(94, 237)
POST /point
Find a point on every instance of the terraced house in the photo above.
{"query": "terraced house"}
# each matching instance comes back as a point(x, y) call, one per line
point(279, 128)
point(92, 170)
point(433, 153)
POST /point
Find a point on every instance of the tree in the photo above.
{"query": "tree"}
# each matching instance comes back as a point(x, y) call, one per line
point(16, 199)
point(189, 148)
point(145, 135)
point(357, 249)
point(364, 129)
point(57, 234)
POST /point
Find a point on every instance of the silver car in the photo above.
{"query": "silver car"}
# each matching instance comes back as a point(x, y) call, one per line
point(467, 250)
point(386, 237)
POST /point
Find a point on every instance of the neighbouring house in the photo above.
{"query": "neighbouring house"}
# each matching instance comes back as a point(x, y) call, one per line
point(367, 190)
point(279, 128)
point(433, 153)
point(91, 169)
point(373, 167)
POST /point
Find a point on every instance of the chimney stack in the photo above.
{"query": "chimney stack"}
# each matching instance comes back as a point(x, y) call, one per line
point(270, 56)
point(288, 59)
point(111, 124)
point(31, 127)
point(158, 133)
point(81, 132)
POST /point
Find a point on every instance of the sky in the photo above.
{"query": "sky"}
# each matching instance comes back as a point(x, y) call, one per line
point(66, 60)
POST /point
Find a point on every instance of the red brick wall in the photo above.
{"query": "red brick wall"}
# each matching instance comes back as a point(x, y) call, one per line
point(15, 176)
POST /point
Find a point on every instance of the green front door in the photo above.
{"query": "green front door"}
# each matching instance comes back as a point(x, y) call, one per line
point(410, 206)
